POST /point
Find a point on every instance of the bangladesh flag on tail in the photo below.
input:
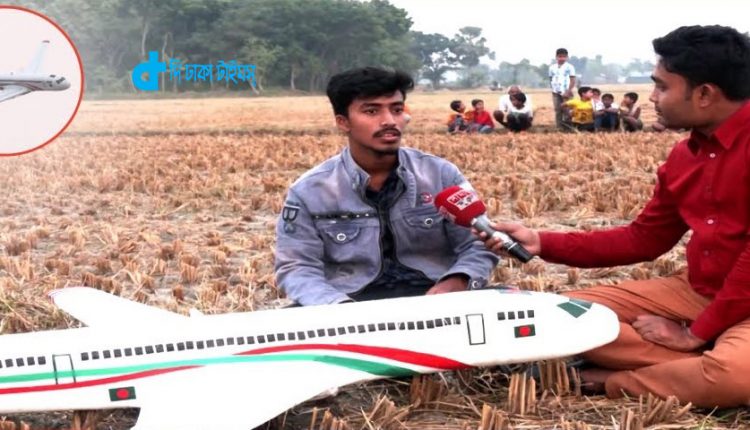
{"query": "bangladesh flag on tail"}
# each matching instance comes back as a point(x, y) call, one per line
point(122, 393)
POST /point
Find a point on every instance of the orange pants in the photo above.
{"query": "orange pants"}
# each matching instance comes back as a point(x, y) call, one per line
point(716, 377)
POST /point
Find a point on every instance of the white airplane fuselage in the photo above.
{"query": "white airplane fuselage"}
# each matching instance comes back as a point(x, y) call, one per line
point(139, 364)
point(35, 82)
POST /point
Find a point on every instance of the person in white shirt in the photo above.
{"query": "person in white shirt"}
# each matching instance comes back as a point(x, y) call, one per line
point(596, 101)
point(562, 79)
point(504, 105)
point(520, 115)
point(607, 114)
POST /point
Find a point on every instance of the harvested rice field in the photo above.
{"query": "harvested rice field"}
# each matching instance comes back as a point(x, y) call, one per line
point(173, 203)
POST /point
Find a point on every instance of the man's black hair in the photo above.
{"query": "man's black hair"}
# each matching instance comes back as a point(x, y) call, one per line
point(583, 90)
point(365, 82)
point(632, 96)
point(561, 51)
point(596, 91)
point(708, 54)
point(455, 104)
point(475, 102)
point(521, 97)
point(608, 96)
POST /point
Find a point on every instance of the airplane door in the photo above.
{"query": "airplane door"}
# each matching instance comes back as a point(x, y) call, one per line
point(475, 324)
point(64, 372)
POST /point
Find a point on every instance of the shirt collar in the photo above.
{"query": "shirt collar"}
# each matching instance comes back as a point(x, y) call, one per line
point(727, 132)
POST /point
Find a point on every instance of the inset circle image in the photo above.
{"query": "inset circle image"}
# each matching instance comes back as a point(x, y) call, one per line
point(41, 80)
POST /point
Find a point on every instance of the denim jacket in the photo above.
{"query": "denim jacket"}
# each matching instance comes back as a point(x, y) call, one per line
point(328, 236)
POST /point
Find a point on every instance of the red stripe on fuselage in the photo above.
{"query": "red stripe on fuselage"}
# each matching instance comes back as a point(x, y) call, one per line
point(411, 357)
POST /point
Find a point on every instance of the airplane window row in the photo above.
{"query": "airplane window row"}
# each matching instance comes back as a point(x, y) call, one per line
point(268, 338)
point(502, 316)
point(21, 362)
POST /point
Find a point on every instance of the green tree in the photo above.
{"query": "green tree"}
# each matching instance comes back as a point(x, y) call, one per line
point(433, 51)
point(468, 47)
point(439, 55)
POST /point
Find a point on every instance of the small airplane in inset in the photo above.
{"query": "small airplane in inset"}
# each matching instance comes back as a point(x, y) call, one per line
point(239, 370)
point(14, 85)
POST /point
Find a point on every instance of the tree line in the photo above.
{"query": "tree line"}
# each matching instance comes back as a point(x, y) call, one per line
point(294, 44)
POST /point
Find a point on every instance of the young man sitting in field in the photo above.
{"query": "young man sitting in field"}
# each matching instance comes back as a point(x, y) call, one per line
point(519, 116)
point(687, 334)
point(362, 225)
point(582, 115)
point(504, 105)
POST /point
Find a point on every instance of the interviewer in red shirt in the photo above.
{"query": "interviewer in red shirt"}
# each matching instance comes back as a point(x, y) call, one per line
point(688, 334)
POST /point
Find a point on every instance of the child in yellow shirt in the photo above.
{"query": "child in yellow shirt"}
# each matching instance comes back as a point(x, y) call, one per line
point(582, 110)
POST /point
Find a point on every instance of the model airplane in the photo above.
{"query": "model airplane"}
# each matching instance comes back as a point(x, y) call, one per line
point(237, 371)
point(29, 79)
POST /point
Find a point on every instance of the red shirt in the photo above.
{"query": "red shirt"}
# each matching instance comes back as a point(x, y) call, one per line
point(483, 118)
point(704, 186)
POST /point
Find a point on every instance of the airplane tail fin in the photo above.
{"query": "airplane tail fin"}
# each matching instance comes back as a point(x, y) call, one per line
point(33, 66)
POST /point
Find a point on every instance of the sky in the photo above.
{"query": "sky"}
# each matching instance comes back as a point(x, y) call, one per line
point(534, 29)
point(31, 120)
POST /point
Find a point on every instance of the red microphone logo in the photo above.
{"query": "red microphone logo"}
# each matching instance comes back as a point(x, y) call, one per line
point(459, 205)
point(462, 199)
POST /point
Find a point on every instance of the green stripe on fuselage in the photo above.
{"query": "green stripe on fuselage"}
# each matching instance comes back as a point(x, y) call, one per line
point(371, 367)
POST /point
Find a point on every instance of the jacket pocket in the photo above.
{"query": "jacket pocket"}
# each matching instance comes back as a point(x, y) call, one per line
point(424, 217)
point(349, 242)
point(341, 233)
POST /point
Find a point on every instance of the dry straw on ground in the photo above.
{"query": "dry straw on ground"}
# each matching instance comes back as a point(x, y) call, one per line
point(178, 209)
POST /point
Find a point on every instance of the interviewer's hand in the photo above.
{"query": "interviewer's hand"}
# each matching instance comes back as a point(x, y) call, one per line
point(449, 285)
point(526, 237)
point(666, 332)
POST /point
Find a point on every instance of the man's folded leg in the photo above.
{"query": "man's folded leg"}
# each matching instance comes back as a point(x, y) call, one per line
point(716, 378)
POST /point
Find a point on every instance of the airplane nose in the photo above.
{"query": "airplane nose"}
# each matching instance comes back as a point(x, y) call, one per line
point(65, 85)
point(603, 324)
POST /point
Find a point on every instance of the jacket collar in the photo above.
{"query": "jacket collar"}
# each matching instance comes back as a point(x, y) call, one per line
point(360, 178)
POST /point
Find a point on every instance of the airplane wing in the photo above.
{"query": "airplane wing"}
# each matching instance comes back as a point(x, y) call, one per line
point(98, 309)
point(8, 92)
point(230, 398)
point(33, 66)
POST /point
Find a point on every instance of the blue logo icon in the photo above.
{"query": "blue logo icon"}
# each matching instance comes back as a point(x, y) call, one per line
point(153, 67)
point(229, 71)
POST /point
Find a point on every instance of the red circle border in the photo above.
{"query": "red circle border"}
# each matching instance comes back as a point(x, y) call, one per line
point(80, 67)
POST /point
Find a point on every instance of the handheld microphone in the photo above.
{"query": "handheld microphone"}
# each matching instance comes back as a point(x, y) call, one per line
point(463, 207)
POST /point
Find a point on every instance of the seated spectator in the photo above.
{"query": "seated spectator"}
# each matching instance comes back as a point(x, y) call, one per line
point(520, 115)
point(479, 119)
point(582, 110)
point(630, 113)
point(607, 118)
point(596, 99)
point(456, 122)
point(504, 104)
